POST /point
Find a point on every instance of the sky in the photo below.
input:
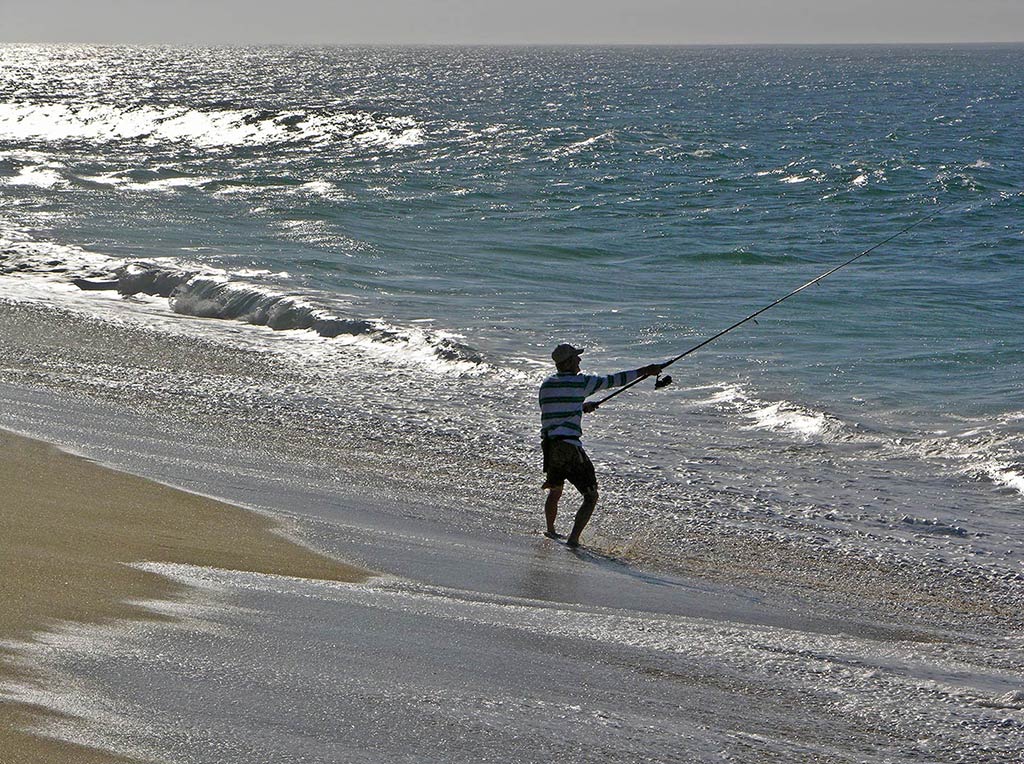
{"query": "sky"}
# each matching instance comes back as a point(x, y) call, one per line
point(434, 22)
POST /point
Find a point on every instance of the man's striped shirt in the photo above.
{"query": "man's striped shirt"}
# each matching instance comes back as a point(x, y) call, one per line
point(561, 401)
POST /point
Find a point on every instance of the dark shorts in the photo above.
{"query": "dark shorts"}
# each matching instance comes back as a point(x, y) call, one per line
point(564, 461)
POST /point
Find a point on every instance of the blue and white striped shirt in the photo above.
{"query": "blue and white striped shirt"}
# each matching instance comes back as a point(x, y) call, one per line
point(561, 401)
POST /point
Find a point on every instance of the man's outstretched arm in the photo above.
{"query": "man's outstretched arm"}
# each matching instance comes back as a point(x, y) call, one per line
point(597, 383)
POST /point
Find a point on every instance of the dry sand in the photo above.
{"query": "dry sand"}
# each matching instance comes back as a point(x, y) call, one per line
point(67, 528)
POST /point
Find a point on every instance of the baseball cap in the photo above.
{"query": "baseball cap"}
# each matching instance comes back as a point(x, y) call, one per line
point(564, 352)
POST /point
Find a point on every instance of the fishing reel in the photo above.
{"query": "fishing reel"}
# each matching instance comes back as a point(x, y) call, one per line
point(662, 381)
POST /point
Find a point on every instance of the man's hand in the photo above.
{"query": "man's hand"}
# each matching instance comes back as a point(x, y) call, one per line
point(651, 370)
point(589, 407)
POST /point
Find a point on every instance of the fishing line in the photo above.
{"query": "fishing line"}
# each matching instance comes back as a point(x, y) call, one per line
point(662, 382)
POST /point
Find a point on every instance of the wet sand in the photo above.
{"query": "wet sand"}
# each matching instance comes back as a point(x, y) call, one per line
point(67, 529)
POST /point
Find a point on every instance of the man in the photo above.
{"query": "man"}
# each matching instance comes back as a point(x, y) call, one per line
point(562, 407)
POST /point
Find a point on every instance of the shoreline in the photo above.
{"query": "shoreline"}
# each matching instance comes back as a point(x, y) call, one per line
point(490, 607)
point(68, 529)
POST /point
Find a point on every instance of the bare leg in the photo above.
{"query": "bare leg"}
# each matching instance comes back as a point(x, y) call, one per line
point(583, 516)
point(551, 509)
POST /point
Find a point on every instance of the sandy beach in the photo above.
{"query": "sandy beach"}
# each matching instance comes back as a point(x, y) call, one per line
point(69, 529)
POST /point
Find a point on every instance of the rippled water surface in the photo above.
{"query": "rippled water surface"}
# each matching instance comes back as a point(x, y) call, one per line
point(478, 205)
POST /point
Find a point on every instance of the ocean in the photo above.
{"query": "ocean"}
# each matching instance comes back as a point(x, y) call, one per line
point(325, 283)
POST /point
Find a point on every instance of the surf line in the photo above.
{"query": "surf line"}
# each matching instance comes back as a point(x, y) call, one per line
point(666, 380)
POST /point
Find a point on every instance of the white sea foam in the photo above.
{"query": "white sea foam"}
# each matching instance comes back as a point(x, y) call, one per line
point(41, 177)
point(414, 348)
point(27, 155)
point(237, 190)
point(985, 452)
point(106, 179)
point(783, 416)
point(786, 416)
point(412, 136)
point(162, 185)
point(21, 252)
point(580, 146)
point(989, 452)
point(1007, 477)
point(727, 394)
point(226, 127)
point(247, 273)
point(318, 187)
point(171, 184)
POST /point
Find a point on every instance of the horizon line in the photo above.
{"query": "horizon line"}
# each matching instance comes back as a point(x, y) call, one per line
point(595, 44)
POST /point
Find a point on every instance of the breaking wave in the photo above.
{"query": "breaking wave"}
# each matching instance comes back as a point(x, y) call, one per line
point(207, 293)
point(990, 453)
point(780, 416)
point(1009, 476)
point(104, 123)
point(39, 176)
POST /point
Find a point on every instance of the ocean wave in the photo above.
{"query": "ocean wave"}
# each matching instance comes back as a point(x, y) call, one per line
point(217, 294)
point(222, 297)
point(214, 296)
point(38, 176)
point(784, 416)
point(991, 452)
point(1009, 476)
point(579, 146)
point(988, 451)
point(792, 418)
point(165, 185)
point(103, 123)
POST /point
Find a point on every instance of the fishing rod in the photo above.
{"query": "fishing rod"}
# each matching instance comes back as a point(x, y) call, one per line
point(663, 381)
